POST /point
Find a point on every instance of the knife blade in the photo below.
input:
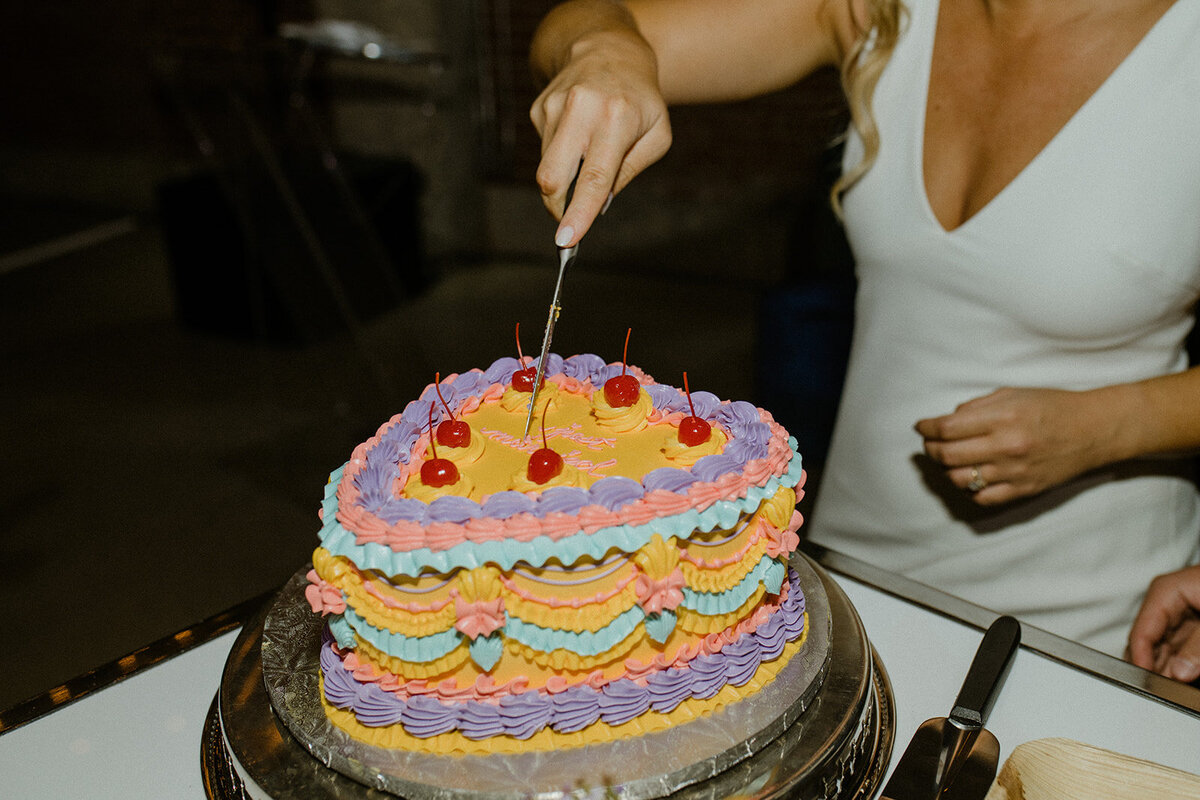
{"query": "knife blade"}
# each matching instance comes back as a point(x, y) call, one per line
point(955, 758)
point(566, 256)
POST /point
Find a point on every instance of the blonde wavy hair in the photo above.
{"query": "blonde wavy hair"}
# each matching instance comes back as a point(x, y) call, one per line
point(861, 68)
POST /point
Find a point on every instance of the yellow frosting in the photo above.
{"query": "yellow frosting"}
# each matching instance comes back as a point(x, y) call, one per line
point(622, 419)
point(682, 455)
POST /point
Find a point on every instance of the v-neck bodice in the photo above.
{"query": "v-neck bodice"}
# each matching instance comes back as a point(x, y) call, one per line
point(1082, 272)
point(1016, 156)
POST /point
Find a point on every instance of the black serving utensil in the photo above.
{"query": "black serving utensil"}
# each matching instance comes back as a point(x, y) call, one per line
point(955, 757)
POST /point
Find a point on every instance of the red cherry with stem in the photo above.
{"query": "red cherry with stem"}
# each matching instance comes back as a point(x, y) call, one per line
point(544, 463)
point(693, 430)
point(437, 472)
point(450, 432)
point(621, 391)
point(522, 379)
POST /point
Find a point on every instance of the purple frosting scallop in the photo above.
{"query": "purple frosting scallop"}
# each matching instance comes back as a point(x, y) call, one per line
point(584, 367)
point(403, 509)
point(502, 505)
point(710, 468)
point(563, 500)
point(615, 492)
point(708, 675)
point(741, 660)
point(669, 688)
point(375, 708)
point(424, 716)
point(480, 720)
point(669, 479)
point(575, 709)
point(525, 714)
point(453, 509)
point(623, 700)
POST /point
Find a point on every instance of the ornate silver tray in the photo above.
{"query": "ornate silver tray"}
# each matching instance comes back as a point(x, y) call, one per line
point(822, 729)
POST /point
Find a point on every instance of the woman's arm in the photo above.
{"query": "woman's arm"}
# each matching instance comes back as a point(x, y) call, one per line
point(611, 69)
point(1018, 442)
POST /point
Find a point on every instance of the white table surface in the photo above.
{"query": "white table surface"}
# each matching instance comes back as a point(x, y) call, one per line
point(141, 738)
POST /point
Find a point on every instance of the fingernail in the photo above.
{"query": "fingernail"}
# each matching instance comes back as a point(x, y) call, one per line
point(564, 236)
point(607, 203)
point(1181, 669)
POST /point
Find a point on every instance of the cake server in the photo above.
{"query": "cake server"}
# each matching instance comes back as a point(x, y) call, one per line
point(566, 256)
point(955, 758)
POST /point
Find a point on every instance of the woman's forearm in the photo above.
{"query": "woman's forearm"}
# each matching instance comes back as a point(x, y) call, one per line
point(706, 50)
point(567, 25)
point(1155, 416)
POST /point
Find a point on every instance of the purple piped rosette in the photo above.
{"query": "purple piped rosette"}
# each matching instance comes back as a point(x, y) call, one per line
point(523, 715)
point(384, 461)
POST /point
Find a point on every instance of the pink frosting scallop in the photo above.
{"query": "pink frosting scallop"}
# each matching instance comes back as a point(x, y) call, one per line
point(592, 518)
point(665, 503)
point(484, 529)
point(523, 527)
point(443, 535)
point(557, 524)
point(323, 597)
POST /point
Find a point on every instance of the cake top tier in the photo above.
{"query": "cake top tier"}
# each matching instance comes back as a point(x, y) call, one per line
point(624, 466)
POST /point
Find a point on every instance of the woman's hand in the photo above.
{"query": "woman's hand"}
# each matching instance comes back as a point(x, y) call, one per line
point(1165, 637)
point(1015, 443)
point(601, 116)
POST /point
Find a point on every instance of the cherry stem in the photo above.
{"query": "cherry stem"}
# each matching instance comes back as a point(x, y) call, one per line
point(520, 355)
point(688, 392)
point(625, 352)
point(437, 385)
point(432, 438)
point(544, 444)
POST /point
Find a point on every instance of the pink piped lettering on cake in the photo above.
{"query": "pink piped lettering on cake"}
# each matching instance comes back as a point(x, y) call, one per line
point(570, 433)
point(588, 466)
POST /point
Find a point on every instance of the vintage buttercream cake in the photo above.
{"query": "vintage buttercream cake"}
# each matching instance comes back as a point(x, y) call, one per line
point(621, 570)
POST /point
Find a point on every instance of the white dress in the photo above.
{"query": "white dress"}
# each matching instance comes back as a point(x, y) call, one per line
point(1083, 272)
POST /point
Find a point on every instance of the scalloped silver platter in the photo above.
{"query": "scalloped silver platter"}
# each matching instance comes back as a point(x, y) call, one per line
point(839, 747)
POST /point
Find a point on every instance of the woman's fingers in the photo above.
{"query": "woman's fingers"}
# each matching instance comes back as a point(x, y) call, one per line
point(1165, 636)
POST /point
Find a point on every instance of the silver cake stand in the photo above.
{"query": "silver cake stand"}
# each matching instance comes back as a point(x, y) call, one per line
point(823, 728)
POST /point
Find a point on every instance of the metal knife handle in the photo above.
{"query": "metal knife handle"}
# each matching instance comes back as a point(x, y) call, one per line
point(988, 670)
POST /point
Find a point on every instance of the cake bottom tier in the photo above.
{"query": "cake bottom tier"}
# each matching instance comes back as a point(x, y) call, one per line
point(268, 725)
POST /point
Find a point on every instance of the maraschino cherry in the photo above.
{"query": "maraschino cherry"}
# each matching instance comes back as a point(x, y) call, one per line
point(544, 463)
point(450, 432)
point(437, 472)
point(693, 430)
point(522, 379)
point(621, 391)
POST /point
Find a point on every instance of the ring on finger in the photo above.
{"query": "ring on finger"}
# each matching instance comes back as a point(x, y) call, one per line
point(977, 482)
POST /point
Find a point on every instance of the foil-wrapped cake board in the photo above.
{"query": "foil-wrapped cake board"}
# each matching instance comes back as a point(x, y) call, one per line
point(822, 729)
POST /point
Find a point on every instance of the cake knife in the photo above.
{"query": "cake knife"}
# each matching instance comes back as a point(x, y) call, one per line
point(566, 256)
point(955, 758)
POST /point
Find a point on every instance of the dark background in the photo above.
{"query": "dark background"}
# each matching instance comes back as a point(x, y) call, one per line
point(227, 255)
